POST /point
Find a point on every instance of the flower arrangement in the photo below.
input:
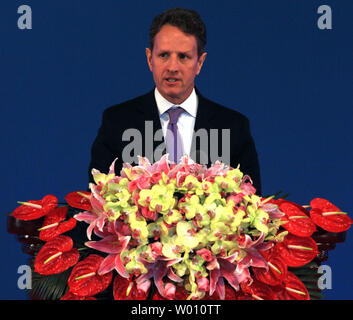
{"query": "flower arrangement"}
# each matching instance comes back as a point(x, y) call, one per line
point(179, 231)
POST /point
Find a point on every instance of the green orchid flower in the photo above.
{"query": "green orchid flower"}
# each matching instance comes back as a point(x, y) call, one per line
point(237, 220)
point(202, 218)
point(172, 217)
point(260, 221)
point(171, 249)
point(235, 174)
point(218, 248)
point(217, 230)
point(138, 227)
point(134, 265)
point(202, 235)
point(214, 197)
point(196, 264)
point(102, 178)
point(186, 236)
point(117, 187)
point(191, 183)
point(180, 268)
point(154, 229)
point(226, 184)
point(159, 198)
point(191, 206)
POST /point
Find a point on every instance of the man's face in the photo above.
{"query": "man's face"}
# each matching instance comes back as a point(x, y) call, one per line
point(174, 63)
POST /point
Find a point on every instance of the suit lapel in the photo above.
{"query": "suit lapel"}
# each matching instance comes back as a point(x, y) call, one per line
point(205, 113)
point(148, 107)
point(149, 111)
point(206, 118)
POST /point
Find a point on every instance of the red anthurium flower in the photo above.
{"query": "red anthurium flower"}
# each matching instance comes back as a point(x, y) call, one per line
point(297, 218)
point(127, 289)
point(53, 225)
point(35, 209)
point(258, 290)
point(56, 256)
point(79, 200)
point(70, 296)
point(276, 272)
point(85, 280)
point(297, 251)
point(291, 289)
point(328, 217)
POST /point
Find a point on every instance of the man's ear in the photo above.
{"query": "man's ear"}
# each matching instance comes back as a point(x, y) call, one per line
point(200, 62)
point(149, 57)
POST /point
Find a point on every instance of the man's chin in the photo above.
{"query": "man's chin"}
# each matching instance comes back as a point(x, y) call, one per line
point(174, 96)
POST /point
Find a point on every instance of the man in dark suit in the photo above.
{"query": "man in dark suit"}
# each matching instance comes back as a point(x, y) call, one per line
point(205, 130)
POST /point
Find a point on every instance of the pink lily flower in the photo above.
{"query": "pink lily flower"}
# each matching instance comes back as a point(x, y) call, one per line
point(272, 210)
point(225, 268)
point(203, 284)
point(158, 270)
point(246, 186)
point(97, 217)
point(252, 248)
point(113, 244)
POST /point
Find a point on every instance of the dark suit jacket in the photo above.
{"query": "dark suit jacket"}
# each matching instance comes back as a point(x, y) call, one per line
point(134, 113)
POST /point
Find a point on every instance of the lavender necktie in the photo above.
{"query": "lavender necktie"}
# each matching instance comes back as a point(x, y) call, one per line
point(174, 144)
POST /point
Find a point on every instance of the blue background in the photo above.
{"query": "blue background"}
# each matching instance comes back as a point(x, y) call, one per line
point(266, 59)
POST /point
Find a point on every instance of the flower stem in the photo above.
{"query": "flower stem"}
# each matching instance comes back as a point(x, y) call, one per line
point(324, 214)
point(273, 267)
point(85, 276)
point(29, 204)
point(48, 226)
point(295, 291)
point(52, 257)
point(299, 247)
point(83, 195)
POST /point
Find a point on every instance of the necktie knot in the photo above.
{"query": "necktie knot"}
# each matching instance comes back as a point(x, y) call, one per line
point(174, 114)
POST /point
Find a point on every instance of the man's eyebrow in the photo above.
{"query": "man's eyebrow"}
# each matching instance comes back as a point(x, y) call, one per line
point(178, 52)
point(185, 52)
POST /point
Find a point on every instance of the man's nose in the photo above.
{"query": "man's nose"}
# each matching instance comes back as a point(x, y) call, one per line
point(173, 64)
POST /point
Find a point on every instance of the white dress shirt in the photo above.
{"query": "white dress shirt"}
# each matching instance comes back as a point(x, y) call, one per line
point(186, 121)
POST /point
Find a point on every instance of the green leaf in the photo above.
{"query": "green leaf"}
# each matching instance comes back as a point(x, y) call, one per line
point(49, 287)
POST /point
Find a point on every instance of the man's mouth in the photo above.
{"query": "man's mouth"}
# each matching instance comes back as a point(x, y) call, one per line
point(171, 80)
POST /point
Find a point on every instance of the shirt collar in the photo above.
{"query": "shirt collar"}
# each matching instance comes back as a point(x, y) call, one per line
point(189, 105)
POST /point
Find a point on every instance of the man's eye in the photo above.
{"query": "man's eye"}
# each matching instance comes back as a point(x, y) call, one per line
point(182, 56)
point(163, 55)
